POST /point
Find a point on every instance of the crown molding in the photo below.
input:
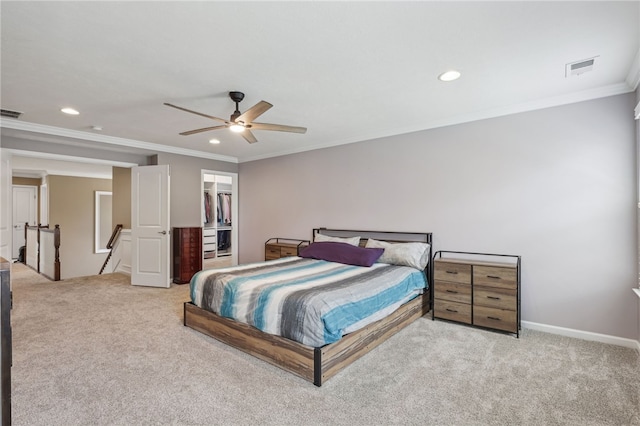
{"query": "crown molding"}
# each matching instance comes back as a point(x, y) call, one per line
point(60, 157)
point(633, 78)
point(585, 95)
point(111, 140)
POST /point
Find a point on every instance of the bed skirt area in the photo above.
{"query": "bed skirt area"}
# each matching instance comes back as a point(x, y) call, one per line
point(316, 365)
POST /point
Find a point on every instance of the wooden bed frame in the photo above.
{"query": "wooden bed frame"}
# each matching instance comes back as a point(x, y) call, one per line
point(317, 365)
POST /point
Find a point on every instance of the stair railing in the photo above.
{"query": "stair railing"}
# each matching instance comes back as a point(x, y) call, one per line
point(114, 237)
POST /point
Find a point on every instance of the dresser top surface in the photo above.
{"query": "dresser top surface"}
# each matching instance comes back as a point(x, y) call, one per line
point(475, 262)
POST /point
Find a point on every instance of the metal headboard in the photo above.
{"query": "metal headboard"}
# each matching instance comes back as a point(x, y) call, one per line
point(389, 236)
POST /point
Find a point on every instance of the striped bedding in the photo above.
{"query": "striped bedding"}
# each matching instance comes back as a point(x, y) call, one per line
point(311, 301)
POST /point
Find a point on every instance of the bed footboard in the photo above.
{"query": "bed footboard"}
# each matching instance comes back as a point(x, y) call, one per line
point(312, 364)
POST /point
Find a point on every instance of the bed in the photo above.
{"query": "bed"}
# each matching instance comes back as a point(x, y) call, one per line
point(316, 313)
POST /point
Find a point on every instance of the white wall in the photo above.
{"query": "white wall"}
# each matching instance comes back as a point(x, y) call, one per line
point(556, 186)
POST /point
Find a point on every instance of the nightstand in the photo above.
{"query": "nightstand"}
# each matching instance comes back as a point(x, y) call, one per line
point(275, 248)
point(479, 289)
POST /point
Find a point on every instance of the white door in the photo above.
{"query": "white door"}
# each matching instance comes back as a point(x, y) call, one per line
point(25, 201)
point(150, 236)
point(6, 233)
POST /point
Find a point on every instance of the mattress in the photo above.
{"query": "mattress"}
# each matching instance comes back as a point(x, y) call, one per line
point(314, 302)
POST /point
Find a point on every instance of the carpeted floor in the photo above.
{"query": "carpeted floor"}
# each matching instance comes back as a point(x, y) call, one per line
point(98, 351)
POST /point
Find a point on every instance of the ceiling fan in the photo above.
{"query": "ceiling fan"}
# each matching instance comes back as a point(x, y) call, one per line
point(242, 122)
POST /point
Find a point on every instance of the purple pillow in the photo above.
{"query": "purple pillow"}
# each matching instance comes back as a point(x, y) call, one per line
point(342, 253)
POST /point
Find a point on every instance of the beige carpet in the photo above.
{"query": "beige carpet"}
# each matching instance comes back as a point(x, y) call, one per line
point(97, 351)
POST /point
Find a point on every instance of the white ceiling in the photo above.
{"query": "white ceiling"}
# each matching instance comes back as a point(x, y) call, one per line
point(348, 71)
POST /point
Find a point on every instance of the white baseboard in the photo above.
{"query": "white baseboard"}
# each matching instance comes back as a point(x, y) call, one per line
point(584, 335)
point(124, 269)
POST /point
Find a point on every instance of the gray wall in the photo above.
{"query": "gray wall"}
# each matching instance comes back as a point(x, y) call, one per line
point(185, 188)
point(557, 186)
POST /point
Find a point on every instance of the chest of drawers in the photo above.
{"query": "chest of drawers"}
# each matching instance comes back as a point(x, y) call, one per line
point(483, 293)
point(187, 253)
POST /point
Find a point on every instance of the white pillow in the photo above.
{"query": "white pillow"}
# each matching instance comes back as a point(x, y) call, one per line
point(415, 255)
point(354, 241)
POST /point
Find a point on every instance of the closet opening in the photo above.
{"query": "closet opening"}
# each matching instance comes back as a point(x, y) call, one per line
point(219, 219)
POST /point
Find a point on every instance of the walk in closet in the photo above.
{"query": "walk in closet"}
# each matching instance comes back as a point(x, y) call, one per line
point(218, 214)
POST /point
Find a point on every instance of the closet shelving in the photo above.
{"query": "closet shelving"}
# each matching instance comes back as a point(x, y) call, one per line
point(217, 217)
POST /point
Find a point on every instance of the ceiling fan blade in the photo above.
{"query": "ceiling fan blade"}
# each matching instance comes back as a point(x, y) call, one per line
point(196, 112)
point(254, 112)
point(278, 127)
point(206, 129)
point(249, 136)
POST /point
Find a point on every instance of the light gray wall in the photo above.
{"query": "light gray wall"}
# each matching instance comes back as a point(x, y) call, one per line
point(556, 186)
point(185, 188)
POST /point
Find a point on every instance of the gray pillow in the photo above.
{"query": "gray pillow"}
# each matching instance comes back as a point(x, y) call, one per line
point(415, 255)
point(320, 238)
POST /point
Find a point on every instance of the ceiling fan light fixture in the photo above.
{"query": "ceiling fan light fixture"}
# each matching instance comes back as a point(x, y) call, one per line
point(237, 128)
point(449, 75)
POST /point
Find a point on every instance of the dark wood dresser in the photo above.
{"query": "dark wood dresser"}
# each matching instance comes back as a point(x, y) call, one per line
point(187, 253)
point(5, 334)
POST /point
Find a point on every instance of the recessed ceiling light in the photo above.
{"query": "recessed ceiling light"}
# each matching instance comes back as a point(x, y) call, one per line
point(70, 111)
point(214, 141)
point(449, 75)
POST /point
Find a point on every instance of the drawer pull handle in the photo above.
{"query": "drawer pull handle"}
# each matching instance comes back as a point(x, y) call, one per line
point(493, 297)
point(452, 272)
point(494, 318)
point(452, 291)
point(495, 277)
point(451, 310)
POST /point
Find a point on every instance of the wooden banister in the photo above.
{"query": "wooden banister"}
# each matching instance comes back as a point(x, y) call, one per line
point(112, 240)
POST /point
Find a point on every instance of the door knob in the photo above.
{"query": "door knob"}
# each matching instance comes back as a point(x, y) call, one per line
point(163, 232)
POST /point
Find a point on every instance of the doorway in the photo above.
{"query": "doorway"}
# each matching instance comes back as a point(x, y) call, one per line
point(219, 218)
point(25, 202)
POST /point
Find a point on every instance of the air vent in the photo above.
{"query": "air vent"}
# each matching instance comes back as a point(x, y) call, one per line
point(580, 67)
point(10, 114)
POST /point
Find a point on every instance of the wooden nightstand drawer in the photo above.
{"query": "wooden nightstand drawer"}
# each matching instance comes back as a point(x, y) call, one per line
point(453, 292)
point(453, 272)
point(288, 251)
point(495, 276)
point(271, 252)
point(495, 297)
point(500, 319)
point(454, 311)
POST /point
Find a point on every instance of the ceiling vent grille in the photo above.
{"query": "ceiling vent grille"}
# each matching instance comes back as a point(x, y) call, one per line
point(580, 67)
point(10, 114)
